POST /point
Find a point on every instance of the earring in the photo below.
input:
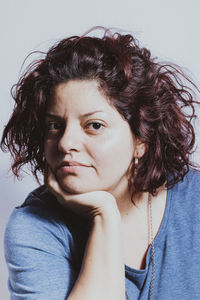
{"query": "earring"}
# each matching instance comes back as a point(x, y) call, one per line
point(136, 165)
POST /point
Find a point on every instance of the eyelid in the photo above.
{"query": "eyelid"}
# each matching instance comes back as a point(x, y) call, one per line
point(53, 119)
point(96, 121)
point(93, 130)
point(53, 123)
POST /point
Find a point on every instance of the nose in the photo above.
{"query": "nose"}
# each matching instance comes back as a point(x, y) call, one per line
point(71, 139)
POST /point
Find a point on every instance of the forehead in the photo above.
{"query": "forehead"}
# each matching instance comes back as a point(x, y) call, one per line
point(79, 96)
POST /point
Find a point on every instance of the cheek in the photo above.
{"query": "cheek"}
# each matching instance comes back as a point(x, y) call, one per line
point(50, 151)
point(114, 153)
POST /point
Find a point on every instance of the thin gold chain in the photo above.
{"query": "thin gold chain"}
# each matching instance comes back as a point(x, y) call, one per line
point(152, 251)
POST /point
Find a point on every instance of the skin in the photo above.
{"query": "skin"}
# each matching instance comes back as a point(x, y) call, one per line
point(103, 142)
point(82, 126)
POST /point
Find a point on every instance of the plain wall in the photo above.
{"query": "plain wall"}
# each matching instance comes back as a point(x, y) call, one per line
point(169, 28)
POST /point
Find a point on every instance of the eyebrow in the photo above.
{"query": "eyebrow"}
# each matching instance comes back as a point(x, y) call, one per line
point(84, 115)
point(53, 116)
point(92, 112)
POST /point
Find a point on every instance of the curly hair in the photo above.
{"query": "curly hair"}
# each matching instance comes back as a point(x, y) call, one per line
point(151, 96)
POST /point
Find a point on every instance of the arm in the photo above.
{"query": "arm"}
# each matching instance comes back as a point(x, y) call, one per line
point(102, 274)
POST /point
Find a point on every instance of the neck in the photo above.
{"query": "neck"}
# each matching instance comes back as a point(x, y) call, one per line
point(128, 206)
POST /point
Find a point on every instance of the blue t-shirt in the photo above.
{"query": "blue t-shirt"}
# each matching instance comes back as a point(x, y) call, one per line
point(44, 247)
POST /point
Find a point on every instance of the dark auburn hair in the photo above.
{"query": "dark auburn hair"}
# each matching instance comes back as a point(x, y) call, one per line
point(151, 96)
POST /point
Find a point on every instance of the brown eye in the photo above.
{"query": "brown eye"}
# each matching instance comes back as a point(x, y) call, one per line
point(53, 126)
point(53, 129)
point(95, 126)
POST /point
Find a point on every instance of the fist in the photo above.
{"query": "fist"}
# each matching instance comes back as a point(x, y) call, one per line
point(88, 204)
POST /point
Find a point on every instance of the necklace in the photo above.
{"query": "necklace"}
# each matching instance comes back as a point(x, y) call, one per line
point(152, 250)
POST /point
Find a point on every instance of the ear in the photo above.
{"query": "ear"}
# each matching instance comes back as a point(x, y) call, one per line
point(140, 148)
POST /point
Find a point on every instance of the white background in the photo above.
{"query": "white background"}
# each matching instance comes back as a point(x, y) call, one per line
point(171, 29)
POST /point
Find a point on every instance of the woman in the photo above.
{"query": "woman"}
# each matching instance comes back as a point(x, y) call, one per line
point(119, 214)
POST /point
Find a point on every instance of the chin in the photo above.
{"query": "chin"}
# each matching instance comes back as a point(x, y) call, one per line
point(74, 188)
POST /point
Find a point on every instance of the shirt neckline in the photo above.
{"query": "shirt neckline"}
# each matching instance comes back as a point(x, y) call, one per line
point(158, 238)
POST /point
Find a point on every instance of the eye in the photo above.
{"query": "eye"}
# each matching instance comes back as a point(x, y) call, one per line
point(53, 127)
point(95, 126)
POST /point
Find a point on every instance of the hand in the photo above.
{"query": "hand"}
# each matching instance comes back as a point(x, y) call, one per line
point(88, 204)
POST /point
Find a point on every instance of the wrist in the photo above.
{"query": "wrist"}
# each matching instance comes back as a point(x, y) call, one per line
point(109, 213)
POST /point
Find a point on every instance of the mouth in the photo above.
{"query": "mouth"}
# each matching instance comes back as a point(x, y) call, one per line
point(71, 166)
point(72, 163)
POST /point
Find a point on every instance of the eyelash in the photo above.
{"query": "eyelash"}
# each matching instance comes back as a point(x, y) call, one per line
point(51, 123)
point(95, 123)
point(57, 127)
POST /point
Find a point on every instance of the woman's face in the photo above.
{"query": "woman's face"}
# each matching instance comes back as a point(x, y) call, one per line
point(88, 145)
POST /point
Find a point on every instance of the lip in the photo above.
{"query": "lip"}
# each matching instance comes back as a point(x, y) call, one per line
point(71, 163)
point(70, 166)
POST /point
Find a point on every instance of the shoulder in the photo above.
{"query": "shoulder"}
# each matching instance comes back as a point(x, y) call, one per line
point(34, 223)
point(185, 198)
point(190, 185)
point(44, 246)
point(41, 248)
point(42, 222)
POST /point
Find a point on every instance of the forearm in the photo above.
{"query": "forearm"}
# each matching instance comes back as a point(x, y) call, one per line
point(102, 272)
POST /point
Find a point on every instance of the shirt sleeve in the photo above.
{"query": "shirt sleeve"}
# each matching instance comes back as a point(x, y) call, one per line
point(38, 255)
